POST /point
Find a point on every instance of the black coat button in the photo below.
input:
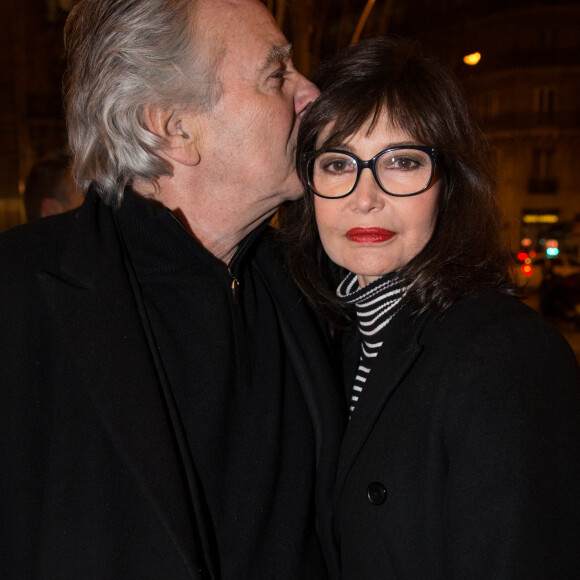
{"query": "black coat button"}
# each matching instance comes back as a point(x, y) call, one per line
point(377, 493)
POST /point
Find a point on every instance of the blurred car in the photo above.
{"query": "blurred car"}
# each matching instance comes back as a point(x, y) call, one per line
point(533, 271)
point(560, 298)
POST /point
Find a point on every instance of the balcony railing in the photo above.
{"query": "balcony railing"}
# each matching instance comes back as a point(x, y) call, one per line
point(527, 121)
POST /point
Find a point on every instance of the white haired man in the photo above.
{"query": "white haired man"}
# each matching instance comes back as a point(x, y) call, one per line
point(168, 405)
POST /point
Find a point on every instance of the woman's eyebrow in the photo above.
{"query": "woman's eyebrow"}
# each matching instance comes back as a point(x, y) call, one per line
point(350, 149)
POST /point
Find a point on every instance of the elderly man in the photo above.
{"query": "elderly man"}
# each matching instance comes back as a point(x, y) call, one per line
point(167, 405)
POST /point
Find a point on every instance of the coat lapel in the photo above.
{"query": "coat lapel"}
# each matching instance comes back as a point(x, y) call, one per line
point(89, 295)
point(305, 341)
point(320, 386)
point(351, 354)
point(392, 364)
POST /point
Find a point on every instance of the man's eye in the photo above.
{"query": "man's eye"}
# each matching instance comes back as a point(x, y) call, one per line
point(279, 75)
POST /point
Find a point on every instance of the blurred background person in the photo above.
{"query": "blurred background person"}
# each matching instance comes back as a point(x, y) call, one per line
point(51, 189)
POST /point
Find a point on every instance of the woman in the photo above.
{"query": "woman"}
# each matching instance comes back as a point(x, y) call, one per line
point(461, 458)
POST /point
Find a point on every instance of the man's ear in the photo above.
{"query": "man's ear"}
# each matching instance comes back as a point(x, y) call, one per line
point(178, 134)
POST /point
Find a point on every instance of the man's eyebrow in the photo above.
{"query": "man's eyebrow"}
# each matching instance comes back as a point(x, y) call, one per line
point(276, 55)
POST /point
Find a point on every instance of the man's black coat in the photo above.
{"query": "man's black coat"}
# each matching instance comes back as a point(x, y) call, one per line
point(96, 478)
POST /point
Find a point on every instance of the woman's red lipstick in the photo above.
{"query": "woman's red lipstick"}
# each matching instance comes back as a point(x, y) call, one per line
point(369, 235)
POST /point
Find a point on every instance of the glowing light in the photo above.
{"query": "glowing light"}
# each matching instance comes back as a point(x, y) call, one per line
point(522, 256)
point(532, 254)
point(540, 219)
point(527, 269)
point(472, 59)
point(526, 242)
point(552, 252)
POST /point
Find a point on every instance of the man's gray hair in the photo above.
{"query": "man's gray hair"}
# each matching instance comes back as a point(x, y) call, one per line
point(122, 56)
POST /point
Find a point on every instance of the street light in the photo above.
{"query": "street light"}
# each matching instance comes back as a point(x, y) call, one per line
point(472, 59)
point(362, 21)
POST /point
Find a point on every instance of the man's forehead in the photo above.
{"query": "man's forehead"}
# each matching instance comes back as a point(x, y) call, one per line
point(224, 10)
point(241, 22)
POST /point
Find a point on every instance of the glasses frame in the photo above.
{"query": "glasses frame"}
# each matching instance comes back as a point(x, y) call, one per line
point(369, 164)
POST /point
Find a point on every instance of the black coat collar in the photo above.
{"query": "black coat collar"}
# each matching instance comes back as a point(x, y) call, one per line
point(392, 364)
point(90, 295)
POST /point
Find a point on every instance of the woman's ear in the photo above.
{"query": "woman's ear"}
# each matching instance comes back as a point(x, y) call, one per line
point(178, 133)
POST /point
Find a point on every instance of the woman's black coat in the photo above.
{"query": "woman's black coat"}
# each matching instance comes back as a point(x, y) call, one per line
point(462, 457)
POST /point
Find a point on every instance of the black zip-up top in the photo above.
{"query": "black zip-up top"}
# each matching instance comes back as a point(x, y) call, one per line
point(219, 342)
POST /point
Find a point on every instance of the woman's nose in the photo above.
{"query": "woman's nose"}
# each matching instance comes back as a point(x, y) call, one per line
point(367, 194)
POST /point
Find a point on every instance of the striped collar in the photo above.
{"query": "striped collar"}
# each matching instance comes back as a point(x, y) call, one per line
point(375, 304)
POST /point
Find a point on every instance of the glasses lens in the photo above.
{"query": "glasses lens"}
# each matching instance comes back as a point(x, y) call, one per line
point(332, 174)
point(404, 171)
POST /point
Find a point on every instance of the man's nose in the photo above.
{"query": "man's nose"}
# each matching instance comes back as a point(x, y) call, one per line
point(305, 94)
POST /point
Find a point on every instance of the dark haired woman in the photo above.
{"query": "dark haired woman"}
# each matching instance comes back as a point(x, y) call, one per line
point(461, 459)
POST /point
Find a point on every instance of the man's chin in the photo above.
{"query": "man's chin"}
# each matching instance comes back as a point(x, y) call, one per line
point(295, 189)
point(296, 195)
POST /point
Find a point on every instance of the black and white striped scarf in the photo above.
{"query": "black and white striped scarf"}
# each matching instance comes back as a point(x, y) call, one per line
point(376, 304)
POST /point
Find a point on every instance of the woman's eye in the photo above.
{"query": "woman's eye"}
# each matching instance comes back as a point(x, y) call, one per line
point(406, 163)
point(337, 166)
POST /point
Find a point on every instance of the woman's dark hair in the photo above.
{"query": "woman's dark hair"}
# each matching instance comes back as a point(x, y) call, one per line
point(467, 250)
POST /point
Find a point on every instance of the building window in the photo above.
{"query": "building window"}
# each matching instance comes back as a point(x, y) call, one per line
point(545, 104)
point(548, 38)
point(538, 226)
point(55, 7)
point(542, 179)
point(490, 105)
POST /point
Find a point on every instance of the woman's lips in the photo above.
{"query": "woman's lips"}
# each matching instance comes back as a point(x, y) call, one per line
point(369, 235)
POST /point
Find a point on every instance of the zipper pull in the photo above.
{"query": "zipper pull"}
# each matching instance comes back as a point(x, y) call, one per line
point(235, 289)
